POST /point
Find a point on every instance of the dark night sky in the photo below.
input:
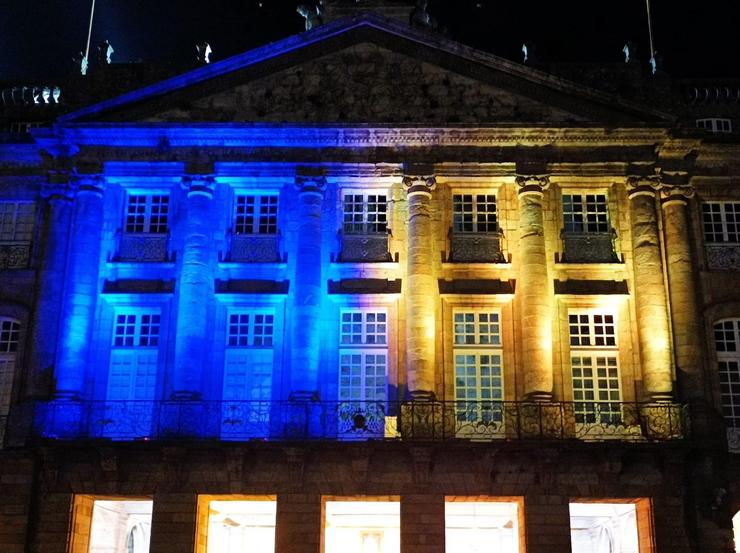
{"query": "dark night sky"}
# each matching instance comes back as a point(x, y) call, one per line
point(696, 37)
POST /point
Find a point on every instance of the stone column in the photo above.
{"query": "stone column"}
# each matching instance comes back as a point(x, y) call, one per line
point(194, 289)
point(305, 330)
point(81, 288)
point(49, 283)
point(687, 331)
point(650, 294)
point(421, 289)
point(534, 290)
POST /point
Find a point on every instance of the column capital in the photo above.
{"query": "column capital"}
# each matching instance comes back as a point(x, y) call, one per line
point(199, 185)
point(58, 187)
point(642, 185)
point(310, 184)
point(532, 184)
point(419, 184)
point(85, 182)
point(676, 193)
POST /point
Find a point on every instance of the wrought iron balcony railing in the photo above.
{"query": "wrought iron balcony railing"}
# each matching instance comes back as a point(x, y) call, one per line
point(357, 420)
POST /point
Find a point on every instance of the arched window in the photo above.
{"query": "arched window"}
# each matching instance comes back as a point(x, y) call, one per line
point(727, 345)
point(9, 333)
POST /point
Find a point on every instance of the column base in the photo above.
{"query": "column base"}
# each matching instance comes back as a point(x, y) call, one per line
point(539, 397)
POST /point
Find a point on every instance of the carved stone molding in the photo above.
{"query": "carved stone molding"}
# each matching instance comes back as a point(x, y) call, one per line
point(203, 185)
point(93, 184)
point(532, 184)
point(676, 193)
point(643, 184)
point(419, 184)
point(310, 185)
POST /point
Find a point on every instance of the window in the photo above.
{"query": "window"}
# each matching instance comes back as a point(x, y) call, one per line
point(714, 124)
point(727, 346)
point(721, 222)
point(116, 525)
point(365, 213)
point(147, 214)
point(362, 526)
point(610, 527)
point(238, 525)
point(248, 368)
point(363, 356)
point(255, 214)
point(595, 372)
point(480, 525)
point(585, 213)
point(9, 336)
point(474, 213)
point(16, 221)
point(477, 353)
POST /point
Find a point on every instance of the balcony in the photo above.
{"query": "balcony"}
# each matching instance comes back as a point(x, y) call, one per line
point(143, 247)
point(476, 247)
point(485, 421)
point(590, 247)
point(15, 255)
point(364, 248)
point(723, 257)
point(253, 248)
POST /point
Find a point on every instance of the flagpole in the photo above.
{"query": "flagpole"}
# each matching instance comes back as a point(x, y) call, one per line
point(89, 31)
point(650, 28)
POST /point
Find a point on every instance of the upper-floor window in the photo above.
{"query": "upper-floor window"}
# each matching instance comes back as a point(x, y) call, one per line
point(714, 124)
point(136, 330)
point(16, 221)
point(478, 355)
point(474, 213)
point(721, 221)
point(585, 213)
point(147, 213)
point(727, 346)
point(363, 355)
point(9, 337)
point(250, 329)
point(594, 367)
point(255, 214)
point(364, 213)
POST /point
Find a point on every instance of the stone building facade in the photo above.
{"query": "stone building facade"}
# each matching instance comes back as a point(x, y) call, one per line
point(370, 264)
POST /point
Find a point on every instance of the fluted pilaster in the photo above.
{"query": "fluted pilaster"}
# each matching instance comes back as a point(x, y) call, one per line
point(533, 289)
point(421, 288)
point(194, 288)
point(306, 312)
point(81, 286)
point(650, 293)
point(687, 330)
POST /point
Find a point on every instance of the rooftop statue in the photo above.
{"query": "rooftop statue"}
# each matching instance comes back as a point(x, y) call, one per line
point(314, 15)
point(105, 51)
point(420, 16)
point(203, 52)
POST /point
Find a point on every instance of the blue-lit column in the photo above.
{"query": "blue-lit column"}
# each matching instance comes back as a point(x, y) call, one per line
point(421, 291)
point(194, 289)
point(57, 217)
point(81, 287)
point(306, 312)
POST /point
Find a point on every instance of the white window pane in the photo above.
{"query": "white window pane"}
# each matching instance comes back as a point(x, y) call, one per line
point(362, 527)
point(481, 527)
point(238, 526)
point(123, 526)
point(603, 528)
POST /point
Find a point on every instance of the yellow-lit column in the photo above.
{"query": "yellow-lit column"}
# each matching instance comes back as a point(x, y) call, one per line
point(420, 290)
point(533, 289)
point(650, 294)
point(682, 291)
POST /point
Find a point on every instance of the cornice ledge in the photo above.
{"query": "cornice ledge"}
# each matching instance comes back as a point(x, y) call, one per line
point(236, 135)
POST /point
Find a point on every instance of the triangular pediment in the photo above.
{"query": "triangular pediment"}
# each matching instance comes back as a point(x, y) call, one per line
point(367, 70)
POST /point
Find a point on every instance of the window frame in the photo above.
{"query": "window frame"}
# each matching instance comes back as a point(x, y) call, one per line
point(475, 212)
point(251, 326)
point(710, 234)
point(595, 410)
point(130, 219)
point(271, 227)
point(364, 349)
point(16, 223)
point(716, 125)
point(571, 227)
point(364, 226)
point(725, 356)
